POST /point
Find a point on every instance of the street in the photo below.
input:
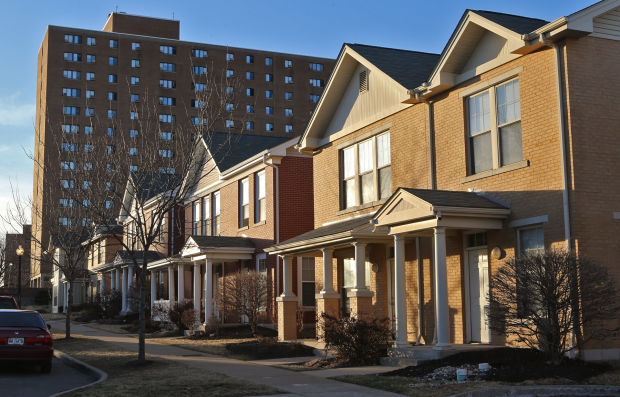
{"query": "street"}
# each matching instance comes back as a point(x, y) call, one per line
point(23, 380)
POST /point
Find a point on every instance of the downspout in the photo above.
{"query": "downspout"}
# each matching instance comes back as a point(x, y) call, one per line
point(276, 193)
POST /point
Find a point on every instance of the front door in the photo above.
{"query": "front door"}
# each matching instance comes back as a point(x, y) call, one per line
point(478, 264)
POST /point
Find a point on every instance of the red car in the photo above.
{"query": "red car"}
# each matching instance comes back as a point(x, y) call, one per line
point(8, 302)
point(24, 337)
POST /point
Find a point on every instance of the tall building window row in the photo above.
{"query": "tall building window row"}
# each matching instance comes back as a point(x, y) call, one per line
point(317, 83)
point(134, 98)
point(133, 133)
point(133, 151)
point(199, 70)
point(90, 76)
point(113, 43)
point(66, 203)
point(68, 165)
point(288, 128)
point(88, 147)
point(249, 125)
point(314, 98)
point(72, 57)
point(70, 128)
point(89, 112)
point(167, 67)
point(165, 153)
point(288, 96)
point(88, 129)
point(288, 63)
point(112, 61)
point(134, 80)
point(71, 92)
point(166, 135)
point(111, 114)
point(249, 108)
point(135, 63)
point(71, 74)
point(135, 46)
point(73, 39)
point(249, 59)
point(249, 75)
point(112, 78)
point(71, 110)
point(288, 112)
point(167, 101)
point(167, 118)
point(167, 84)
point(111, 131)
point(198, 103)
point(230, 73)
point(230, 57)
point(197, 53)
point(112, 96)
point(133, 115)
point(268, 61)
point(268, 77)
point(91, 58)
point(200, 87)
point(69, 147)
point(316, 67)
point(195, 120)
point(67, 183)
point(167, 49)
point(249, 92)
point(90, 94)
point(269, 127)
point(288, 79)
point(268, 94)
point(91, 41)
point(88, 166)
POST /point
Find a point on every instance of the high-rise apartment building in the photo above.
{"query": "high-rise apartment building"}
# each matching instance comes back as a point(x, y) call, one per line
point(88, 80)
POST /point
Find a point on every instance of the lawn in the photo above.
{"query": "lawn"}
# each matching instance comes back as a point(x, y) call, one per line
point(156, 377)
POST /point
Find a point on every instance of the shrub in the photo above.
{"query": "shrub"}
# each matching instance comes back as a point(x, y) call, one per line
point(175, 313)
point(356, 341)
point(246, 295)
point(188, 319)
point(109, 304)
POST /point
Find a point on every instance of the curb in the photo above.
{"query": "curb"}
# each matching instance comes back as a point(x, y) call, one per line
point(550, 390)
point(82, 366)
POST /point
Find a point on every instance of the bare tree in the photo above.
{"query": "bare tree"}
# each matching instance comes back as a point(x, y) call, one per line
point(543, 299)
point(246, 295)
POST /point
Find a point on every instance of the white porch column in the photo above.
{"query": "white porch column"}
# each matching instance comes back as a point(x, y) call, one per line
point(111, 280)
point(130, 277)
point(327, 270)
point(208, 298)
point(102, 284)
point(197, 288)
point(360, 265)
point(441, 288)
point(117, 277)
point(170, 285)
point(400, 304)
point(181, 282)
point(153, 290)
point(287, 275)
point(124, 290)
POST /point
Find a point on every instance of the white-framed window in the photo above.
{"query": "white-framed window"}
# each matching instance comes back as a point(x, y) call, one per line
point(206, 216)
point(366, 171)
point(349, 273)
point(195, 217)
point(494, 127)
point(216, 213)
point(260, 207)
point(307, 282)
point(244, 202)
point(530, 239)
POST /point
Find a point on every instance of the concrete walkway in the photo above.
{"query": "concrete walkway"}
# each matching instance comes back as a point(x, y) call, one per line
point(293, 383)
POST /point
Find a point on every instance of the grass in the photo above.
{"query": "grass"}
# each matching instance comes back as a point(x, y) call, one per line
point(155, 377)
point(208, 346)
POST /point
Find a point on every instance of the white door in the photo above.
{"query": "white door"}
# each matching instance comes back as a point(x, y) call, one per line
point(478, 264)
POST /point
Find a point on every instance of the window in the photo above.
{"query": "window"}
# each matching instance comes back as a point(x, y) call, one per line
point(317, 67)
point(133, 134)
point(133, 151)
point(249, 59)
point(133, 168)
point(216, 214)
point(288, 128)
point(89, 112)
point(111, 131)
point(165, 153)
point(167, 118)
point(198, 120)
point(166, 170)
point(112, 61)
point(167, 49)
point(70, 128)
point(249, 75)
point(111, 96)
point(260, 194)
point(88, 129)
point(196, 53)
point(206, 220)
point(66, 203)
point(71, 92)
point(288, 112)
point(66, 221)
point(531, 240)
point(366, 171)
point(86, 185)
point(199, 70)
point(110, 167)
point(135, 46)
point(494, 127)
point(230, 57)
point(72, 74)
point(90, 94)
point(167, 67)
point(90, 58)
point(165, 136)
point(288, 63)
point(316, 83)
point(113, 43)
point(229, 90)
point(135, 98)
point(133, 115)
point(195, 217)
point(249, 91)
point(288, 79)
point(71, 110)
point(135, 63)
point(230, 107)
point(109, 204)
point(91, 41)
point(249, 108)
point(110, 186)
point(90, 76)
point(198, 103)
point(268, 110)
point(314, 98)
point(111, 114)
point(73, 39)
point(268, 77)
point(349, 272)
point(68, 147)
point(110, 149)
point(67, 183)
point(307, 281)
point(200, 87)
point(269, 127)
point(72, 57)
point(88, 166)
point(167, 83)
point(167, 101)
point(134, 80)
point(230, 73)
point(249, 125)
point(112, 78)
point(230, 124)
point(268, 61)
point(288, 96)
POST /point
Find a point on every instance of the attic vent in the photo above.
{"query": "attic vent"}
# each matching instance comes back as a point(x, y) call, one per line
point(363, 81)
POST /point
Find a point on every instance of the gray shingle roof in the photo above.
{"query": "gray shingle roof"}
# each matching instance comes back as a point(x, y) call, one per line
point(151, 184)
point(450, 198)
point(222, 242)
point(123, 256)
point(334, 228)
point(229, 149)
point(409, 68)
point(516, 23)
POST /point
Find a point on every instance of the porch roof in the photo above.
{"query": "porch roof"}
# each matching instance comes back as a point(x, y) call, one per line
point(218, 247)
point(124, 257)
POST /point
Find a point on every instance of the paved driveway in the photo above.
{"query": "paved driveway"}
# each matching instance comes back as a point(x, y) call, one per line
point(19, 380)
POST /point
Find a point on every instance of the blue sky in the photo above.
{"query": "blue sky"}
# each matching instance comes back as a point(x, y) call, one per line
point(316, 28)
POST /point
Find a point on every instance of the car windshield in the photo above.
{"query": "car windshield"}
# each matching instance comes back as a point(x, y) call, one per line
point(7, 303)
point(21, 319)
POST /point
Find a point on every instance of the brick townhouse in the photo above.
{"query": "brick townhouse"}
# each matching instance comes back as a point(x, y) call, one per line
point(431, 169)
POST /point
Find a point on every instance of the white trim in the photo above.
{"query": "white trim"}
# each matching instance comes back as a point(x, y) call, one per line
point(535, 220)
point(491, 82)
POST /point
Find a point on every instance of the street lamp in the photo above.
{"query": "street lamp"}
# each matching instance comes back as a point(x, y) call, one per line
point(19, 251)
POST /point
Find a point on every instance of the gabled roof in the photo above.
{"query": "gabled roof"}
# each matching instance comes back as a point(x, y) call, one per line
point(151, 184)
point(124, 256)
point(229, 149)
point(516, 23)
point(451, 198)
point(222, 242)
point(408, 68)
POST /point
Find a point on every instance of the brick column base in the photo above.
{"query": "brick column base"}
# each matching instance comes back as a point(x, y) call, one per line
point(287, 318)
point(328, 303)
point(360, 302)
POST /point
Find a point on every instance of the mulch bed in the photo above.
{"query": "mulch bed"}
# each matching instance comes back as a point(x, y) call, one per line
point(508, 365)
point(266, 349)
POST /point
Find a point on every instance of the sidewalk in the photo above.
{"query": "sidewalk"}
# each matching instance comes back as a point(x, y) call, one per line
point(295, 383)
